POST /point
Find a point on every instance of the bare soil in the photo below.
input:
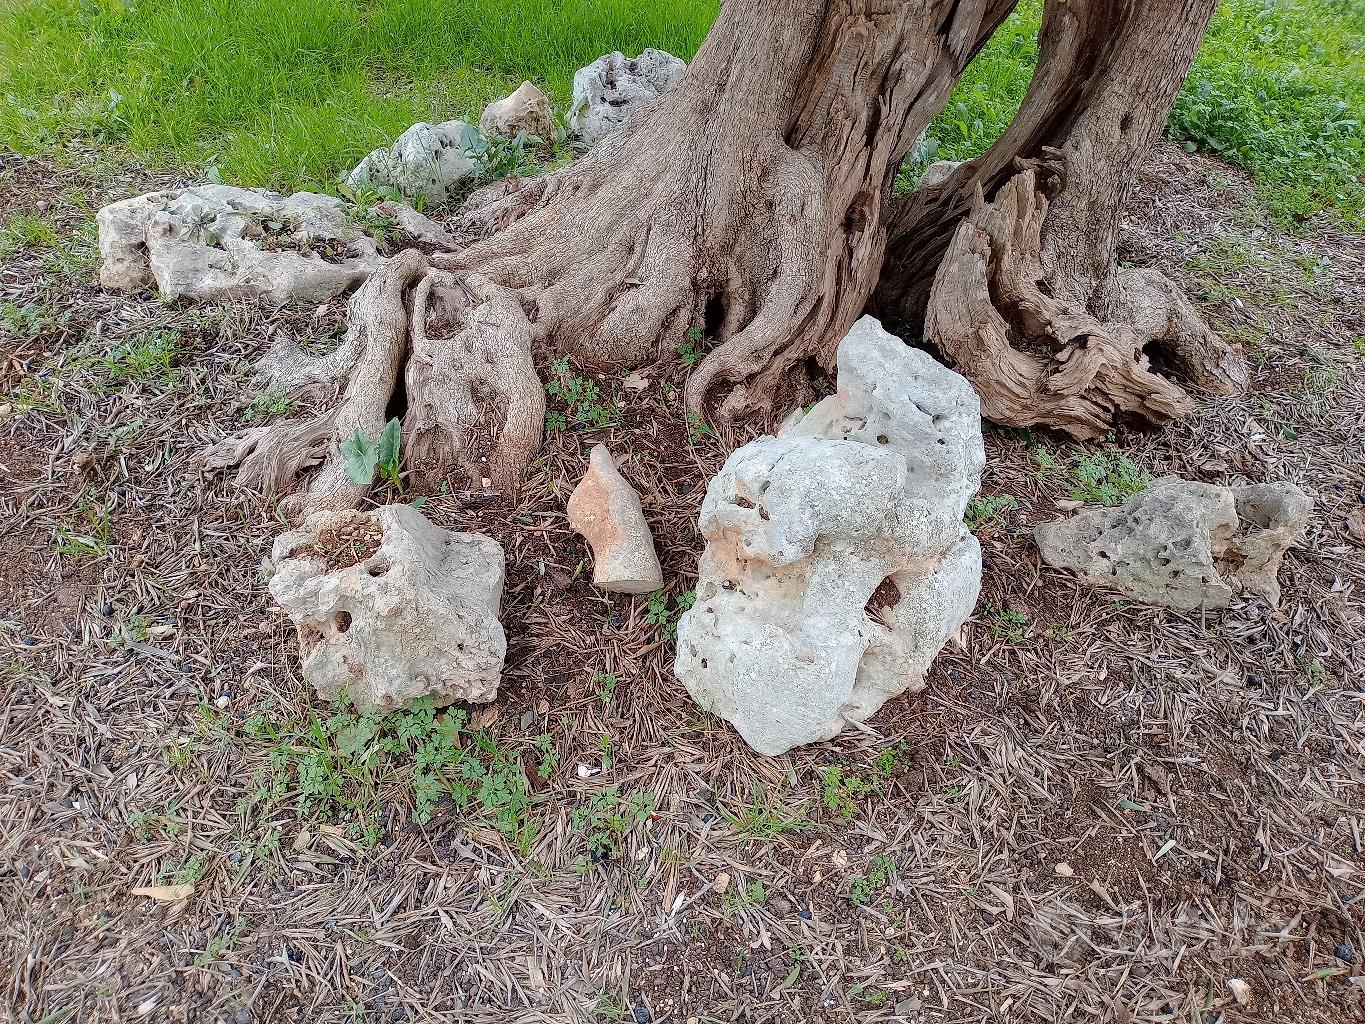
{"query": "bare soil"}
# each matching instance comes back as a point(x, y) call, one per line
point(1096, 810)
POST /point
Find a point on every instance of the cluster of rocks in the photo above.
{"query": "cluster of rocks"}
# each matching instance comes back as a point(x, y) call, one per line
point(216, 242)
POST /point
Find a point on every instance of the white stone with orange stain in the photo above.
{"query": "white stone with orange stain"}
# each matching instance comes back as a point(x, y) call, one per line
point(605, 509)
point(862, 496)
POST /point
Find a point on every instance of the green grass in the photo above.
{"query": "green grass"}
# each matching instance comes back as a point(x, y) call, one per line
point(291, 93)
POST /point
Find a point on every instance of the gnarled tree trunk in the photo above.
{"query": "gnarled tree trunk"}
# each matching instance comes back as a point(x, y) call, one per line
point(751, 204)
point(1009, 261)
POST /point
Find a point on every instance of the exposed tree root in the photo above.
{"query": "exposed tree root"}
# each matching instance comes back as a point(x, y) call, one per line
point(481, 371)
point(1037, 356)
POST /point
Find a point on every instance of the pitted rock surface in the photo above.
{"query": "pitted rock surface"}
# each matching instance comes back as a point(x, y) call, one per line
point(415, 615)
point(868, 488)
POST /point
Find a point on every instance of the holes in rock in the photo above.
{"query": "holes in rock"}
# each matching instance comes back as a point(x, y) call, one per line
point(1125, 123)
point(743, 502)
point(763, 513)
point(341, 621)
point(704, 663)
point(377, 568)
point(883, 439)
point(887, 595)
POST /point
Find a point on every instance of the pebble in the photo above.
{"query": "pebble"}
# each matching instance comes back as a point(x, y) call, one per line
point(1064, 869)
point(243, 1017)
point(641, 1013)
point(1346, 952)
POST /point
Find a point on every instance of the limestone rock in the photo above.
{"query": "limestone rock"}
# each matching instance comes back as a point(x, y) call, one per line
point(938, 172)
point(614, 86)
point(391, 608)
point(1183, 544)
point(605, 509)
point(427, 160)
point(214, 242)
point(836, 562)
point(526, 110)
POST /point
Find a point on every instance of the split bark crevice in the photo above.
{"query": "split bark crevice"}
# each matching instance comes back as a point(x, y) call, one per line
point(1107, 75)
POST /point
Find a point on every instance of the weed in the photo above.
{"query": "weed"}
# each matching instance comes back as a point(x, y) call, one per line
point(144, 359)
point(1010, 626)
point(891, 760)
point(842, 791)
point(1358, 345)
point(606, 820)
point(385, 231)
point(605, 684)
point(581, 398)
point(760, 819)
point(983, 511)
point(338, 765)
point(89, 537)
point(657, 612)
point(187, 873)
point(879, 874)
point(364, 457)
point(698, 429)
point(25, 231)
point(544, 746)
point(217, 946)
point(1107, 478)
point(501, 157)
point(29, 320)
point(688, 351)
point(736, 899)
point(271, 403)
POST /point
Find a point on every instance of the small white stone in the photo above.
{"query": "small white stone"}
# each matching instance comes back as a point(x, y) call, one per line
point(1241, 991)
point(526, 110)
point(1063, 869)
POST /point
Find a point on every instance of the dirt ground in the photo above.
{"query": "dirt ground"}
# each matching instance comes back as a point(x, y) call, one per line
point(1096, 811)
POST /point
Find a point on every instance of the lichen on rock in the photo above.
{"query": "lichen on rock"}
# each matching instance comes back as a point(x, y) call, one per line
point(614, 86)
point(391, 608)
point(837, 563)
point(214, 242)
point(1183, 544)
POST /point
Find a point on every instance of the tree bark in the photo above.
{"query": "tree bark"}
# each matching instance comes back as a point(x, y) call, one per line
point(1017, 247)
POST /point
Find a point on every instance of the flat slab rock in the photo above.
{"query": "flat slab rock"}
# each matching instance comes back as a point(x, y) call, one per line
point(1183, 544)
point(216, 242)
point(837, 564)
point(391, 608)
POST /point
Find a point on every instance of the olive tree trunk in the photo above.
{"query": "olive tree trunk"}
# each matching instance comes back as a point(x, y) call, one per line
point(1009, 262)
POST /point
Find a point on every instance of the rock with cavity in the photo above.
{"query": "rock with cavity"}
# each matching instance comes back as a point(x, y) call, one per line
point(215, 242)
point(836, 563)
point(391, 608)
point(614, 86)
point(427, 161)
point(1183, 544)
point(605, 509)
point(526, 110)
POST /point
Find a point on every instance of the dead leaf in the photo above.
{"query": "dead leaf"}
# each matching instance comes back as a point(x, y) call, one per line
point(635, 381)
point(722, 882)
point(166, 893)
point(1355, 526)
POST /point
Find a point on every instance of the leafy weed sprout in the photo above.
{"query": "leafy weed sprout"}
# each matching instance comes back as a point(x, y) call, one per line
point(581, 399)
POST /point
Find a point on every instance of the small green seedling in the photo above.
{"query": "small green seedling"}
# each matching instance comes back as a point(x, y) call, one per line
point(364, 457)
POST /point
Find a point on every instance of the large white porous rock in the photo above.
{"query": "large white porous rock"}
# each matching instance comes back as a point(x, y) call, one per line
point(213, 242)
point(1183, 544)
point(427, 161)
point(836, 563)
point(614, 86)
point(390, 608)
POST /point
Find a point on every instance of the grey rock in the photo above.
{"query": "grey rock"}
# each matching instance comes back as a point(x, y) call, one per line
point(427, 160)
point(614, 86)
point(1183, 544)
point(214, 242)
point(417, 617)
point(862, 496)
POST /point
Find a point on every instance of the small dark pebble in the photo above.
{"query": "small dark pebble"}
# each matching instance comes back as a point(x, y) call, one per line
point(804, 913)
point(234, 857)
point(1346, 952)
point(293, 953)
point(243, 1017)
point(641, 1013)
point(106, 609)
